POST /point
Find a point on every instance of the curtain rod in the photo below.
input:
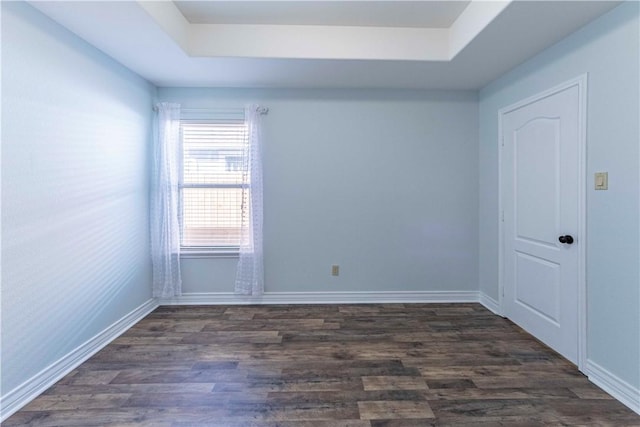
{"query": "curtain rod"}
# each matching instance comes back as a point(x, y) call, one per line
point(260, 109)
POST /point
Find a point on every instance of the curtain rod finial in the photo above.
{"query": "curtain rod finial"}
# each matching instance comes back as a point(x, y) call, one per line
point(262, 110)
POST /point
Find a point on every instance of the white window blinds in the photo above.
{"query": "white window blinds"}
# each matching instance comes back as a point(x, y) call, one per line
point(214, 173)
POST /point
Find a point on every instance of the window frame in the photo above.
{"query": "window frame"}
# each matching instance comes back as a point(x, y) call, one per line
point(225, 117)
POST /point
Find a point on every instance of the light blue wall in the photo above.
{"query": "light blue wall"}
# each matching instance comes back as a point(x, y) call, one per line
point(383, 183)
point(608, 49)
point(75, 138)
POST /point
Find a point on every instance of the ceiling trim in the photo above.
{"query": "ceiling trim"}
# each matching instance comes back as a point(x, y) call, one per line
point(170, 19)
point(154, 40)
point(324, 42)
point(471, 22)
point(362, 13)
point(318, 42)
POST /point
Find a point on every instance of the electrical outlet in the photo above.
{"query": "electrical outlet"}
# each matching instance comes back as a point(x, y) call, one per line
point(335, 270)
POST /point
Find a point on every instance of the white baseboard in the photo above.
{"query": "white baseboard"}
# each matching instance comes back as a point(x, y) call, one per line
point(615, 386)
point(220, 298)
point(34, 386)
point(489, 303)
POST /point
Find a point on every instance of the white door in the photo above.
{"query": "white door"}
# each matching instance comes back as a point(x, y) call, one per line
point(540, 200)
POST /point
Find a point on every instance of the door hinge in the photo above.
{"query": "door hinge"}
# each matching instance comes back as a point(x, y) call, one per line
point(502, 216)
point(502, 141)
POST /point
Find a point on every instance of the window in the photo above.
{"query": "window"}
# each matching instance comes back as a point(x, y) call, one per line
point(213, 184)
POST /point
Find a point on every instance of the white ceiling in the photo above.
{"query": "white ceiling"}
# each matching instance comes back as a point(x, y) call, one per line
point(323, 44)
point(418, 14)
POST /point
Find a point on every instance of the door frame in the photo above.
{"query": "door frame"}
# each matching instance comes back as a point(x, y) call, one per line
point(581, 83)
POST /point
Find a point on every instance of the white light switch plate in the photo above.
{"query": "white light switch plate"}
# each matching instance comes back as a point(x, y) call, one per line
point(601, 180)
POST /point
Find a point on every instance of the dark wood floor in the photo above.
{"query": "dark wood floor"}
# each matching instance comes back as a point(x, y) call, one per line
point(325, 366)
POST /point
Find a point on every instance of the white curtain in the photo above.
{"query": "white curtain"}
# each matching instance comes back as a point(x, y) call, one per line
point(250, 271)
point(165, 228)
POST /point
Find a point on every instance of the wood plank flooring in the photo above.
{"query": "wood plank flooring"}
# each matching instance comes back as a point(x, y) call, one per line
point(325, 366)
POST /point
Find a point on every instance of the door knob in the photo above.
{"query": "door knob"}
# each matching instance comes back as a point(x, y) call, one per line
point(566, 239)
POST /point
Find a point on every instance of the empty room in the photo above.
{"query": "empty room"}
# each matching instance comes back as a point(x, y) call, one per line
point(320, 213)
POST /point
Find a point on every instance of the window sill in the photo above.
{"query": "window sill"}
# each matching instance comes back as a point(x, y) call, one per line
point(209, 253)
